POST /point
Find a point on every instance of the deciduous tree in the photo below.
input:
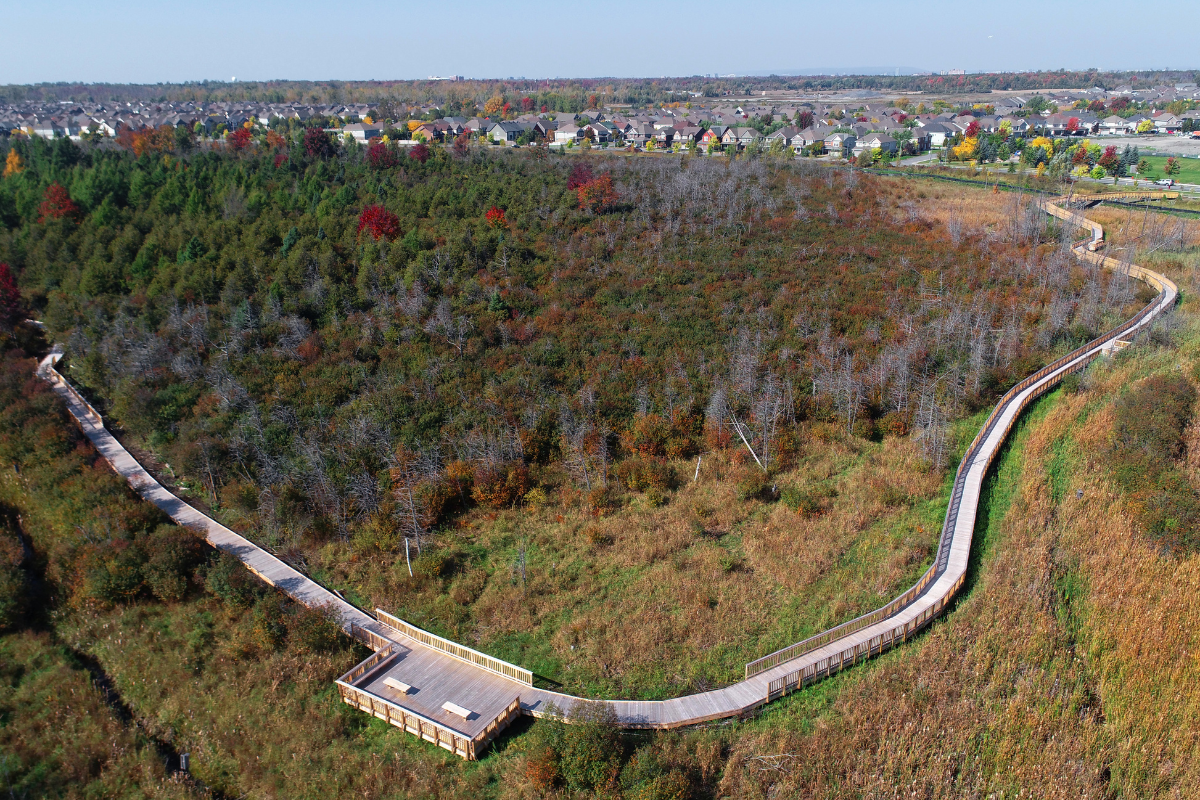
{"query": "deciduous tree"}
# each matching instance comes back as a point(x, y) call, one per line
point(13, 165)
point(57, 204)
point(379, 222)
point(239, 139)
point(318, 144)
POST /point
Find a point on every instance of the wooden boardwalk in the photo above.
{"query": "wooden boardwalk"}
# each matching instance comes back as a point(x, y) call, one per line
point(460, 699)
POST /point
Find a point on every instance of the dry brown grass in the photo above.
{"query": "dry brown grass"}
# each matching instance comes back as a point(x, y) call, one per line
point(656, 602)
point(1069, 671)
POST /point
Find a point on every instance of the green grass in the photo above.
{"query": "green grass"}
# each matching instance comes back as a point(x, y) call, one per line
point(1189, 169)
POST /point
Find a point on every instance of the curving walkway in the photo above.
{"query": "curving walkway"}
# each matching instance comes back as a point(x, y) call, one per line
point(488, 689)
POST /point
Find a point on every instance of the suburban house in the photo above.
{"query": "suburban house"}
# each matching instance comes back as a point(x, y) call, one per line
point(1016, 124)
point(786, 134)
point(601, 131)
point(427, 131)
point(640, 133)
point(507, 132)
point(741, 137)
point(1167, 122)
point(711, 137)
point(1116, 126)
point(921, 140)
point(937, 132)
point(361, 132)
point(807, 138)
point(877, 141)
point(568, 132)
point(840, 144)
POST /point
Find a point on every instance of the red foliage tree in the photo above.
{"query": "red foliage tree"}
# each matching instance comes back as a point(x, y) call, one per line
point(1072, 124)
point(10, 298)
point(420, 152)
point(280, 159)
point(317, 144)
point(1109, 160)
point(804, 120)
point(239, 139)
point(495, 217)
point(581, 175)
point(462, 144)
point(1096, 106)
point(381, 156)
point(526, 104)
point(597, 194)
point(545, 108)
point(973, 129)
point(379, 222)
point(56, 204)
point(276, 141)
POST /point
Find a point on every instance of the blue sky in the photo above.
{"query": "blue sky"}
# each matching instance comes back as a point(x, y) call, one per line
point(150, 42)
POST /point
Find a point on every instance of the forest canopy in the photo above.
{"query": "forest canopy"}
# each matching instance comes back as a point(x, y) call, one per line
point(334, 342)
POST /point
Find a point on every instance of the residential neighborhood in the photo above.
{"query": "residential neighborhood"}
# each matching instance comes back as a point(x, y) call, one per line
point(821, 127)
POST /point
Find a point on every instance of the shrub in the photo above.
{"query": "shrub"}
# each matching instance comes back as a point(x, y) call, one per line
point(174, 553)
point(645, 474)
point(230, 581)
point(753, 484)
point(591, 748)
point(500, 486)
point(808, 501)
point(603, 500)
point(316, 630)
point(267, 621)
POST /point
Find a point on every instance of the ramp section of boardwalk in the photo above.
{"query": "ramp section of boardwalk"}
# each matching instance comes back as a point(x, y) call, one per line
point(459, 698)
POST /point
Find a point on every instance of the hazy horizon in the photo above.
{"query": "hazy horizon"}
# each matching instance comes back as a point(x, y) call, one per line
point(134, 41)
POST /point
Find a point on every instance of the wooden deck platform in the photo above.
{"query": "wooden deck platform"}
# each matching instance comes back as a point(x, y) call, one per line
point(445, 678)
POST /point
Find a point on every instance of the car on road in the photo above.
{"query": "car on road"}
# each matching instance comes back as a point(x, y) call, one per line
point(1164, 182)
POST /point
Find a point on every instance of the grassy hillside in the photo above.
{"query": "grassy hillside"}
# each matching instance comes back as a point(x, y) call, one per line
point(1064, 670)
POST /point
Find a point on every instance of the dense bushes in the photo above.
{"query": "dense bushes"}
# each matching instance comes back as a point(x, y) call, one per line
point(591, 756)
point(158, 563)
point(1147, 440)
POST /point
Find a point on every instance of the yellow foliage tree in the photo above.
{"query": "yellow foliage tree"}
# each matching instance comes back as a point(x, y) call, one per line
point(493, 105)
point(13, 164)
point(367, 119)
point(1145, 126)
point(966, 150)
point(1045, 143)
point(248, 124)
point(413, 124)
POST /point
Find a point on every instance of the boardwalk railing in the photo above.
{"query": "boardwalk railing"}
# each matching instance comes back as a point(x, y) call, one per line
point(369, 637)
point(1084, 251)
point(414, 723)
point(481, 660)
